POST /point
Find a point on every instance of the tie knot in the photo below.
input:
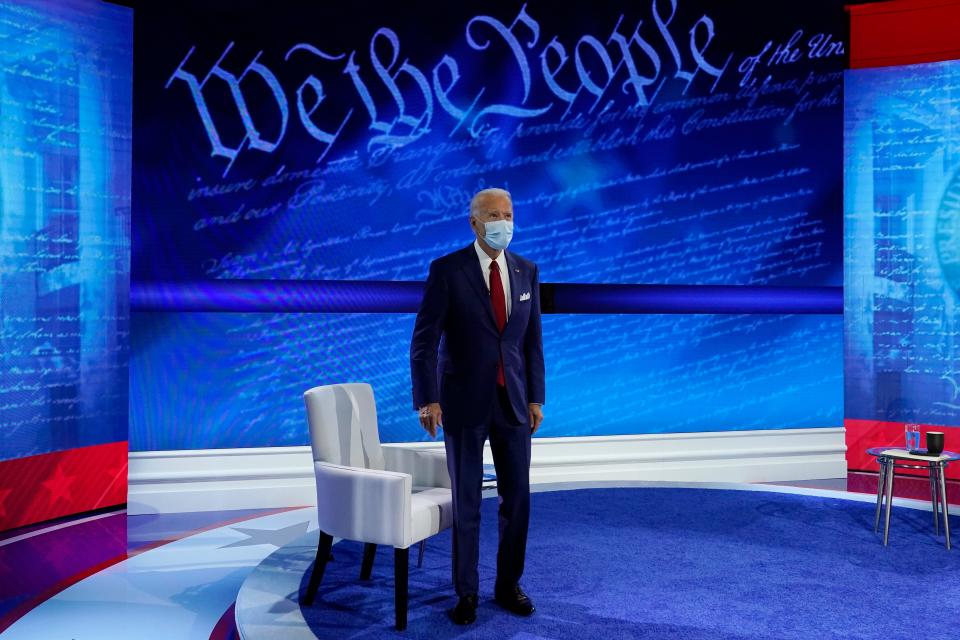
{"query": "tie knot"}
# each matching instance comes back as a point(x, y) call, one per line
point(494, 266)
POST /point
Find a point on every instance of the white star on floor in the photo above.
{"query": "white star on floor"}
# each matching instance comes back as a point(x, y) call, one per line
point(275, 537)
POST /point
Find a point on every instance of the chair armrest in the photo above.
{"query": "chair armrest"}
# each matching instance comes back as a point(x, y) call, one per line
point(427, 467)
point(365, 505)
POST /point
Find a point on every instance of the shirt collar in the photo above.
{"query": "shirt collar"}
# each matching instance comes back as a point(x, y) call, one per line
point(485, 259)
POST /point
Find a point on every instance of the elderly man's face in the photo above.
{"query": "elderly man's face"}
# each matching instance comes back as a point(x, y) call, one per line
point(491, 208)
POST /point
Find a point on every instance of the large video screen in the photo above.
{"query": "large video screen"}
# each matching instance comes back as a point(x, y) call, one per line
point(671, 142)
point(902, 217)
point(65, 152)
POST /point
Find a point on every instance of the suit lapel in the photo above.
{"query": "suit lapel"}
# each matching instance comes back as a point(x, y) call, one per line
point(474, 274)
point(514, 270)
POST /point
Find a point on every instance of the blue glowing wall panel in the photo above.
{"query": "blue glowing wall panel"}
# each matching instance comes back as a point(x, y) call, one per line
point(65, 134)
point(902, 246)
point(662, 142)
point(230, 385)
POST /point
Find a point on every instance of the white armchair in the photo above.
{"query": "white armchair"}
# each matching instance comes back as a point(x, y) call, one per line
point(377, 495)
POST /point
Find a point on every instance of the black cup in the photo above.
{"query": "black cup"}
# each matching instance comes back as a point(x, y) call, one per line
point(934, 442)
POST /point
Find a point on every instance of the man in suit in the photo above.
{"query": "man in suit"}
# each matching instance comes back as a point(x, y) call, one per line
point(476, 362)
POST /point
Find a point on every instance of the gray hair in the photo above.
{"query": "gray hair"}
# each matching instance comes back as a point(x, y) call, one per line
point(480, 195)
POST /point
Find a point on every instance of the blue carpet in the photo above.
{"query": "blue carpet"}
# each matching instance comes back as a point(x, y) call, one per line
point(691, 564)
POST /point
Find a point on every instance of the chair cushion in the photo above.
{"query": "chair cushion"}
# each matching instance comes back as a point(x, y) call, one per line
point(432, 512)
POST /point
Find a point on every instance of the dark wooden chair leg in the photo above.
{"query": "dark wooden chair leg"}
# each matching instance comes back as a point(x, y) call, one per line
point(369, 551)
point(323, 553)
point(401, 558)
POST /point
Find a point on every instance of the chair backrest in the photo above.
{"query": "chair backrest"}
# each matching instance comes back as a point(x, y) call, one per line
point(343, 425)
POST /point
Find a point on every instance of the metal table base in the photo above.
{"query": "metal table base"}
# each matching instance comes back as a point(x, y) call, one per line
point(938, 493)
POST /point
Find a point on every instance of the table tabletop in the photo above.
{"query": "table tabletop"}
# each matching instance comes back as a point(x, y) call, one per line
point(902, 454)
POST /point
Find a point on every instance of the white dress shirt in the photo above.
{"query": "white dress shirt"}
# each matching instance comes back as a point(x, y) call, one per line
point(504, 274)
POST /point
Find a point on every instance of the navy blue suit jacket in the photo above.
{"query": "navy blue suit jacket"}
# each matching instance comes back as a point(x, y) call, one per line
point(456, 344)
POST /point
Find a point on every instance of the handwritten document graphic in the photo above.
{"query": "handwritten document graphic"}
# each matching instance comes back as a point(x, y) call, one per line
point(902, 214)
point(65, 132)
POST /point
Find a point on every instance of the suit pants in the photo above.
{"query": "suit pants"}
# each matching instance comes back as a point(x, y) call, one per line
point(510, 445)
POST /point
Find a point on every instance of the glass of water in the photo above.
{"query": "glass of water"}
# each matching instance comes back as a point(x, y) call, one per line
point(912, 436)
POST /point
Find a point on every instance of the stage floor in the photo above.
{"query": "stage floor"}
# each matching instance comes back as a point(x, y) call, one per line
point(182, 573)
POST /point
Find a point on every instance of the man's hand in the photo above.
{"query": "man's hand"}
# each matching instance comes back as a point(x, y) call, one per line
point(535, 414)
point(430, 418)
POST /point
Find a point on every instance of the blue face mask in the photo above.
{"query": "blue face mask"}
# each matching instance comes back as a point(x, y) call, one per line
point(498, 233)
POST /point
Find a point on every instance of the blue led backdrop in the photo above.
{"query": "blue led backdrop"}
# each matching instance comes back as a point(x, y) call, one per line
point(902, 216)
point(65, 122)
point(670, 142)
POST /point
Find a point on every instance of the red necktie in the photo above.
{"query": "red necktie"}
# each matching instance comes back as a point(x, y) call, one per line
point(499, 302)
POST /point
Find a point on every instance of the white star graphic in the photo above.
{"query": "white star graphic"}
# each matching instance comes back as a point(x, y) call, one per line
point(275, 537)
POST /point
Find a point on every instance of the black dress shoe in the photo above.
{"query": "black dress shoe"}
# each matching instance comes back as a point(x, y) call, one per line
point(466, 610)
point(513, 599)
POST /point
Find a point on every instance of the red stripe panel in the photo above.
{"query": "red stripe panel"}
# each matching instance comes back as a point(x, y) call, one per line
point(52, 485)
point(864, 434)
point(885, 34)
